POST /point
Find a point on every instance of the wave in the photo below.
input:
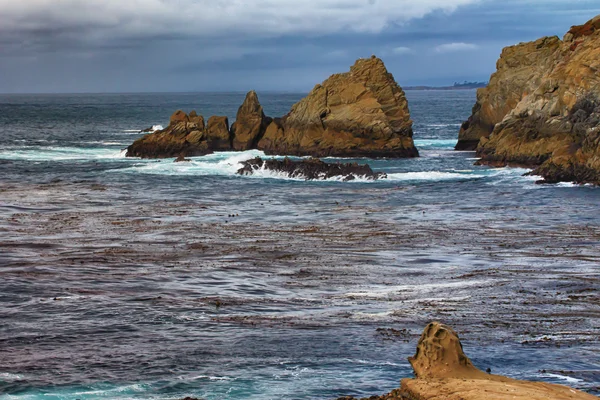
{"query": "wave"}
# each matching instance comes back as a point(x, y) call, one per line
point(153, 129)
point(53, 153)
point(435, 143)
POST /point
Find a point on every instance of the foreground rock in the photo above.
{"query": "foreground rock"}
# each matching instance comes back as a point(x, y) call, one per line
point(361, 113)
point(311, 169)
point(444, 372)
point(542, 108)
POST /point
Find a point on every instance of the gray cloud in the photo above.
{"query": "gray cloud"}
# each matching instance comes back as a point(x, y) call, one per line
point(208, 45)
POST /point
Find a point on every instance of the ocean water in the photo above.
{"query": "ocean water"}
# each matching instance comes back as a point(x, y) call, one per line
point(145, 279)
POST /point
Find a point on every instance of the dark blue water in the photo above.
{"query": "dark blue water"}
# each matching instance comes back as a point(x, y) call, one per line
point(136, 279)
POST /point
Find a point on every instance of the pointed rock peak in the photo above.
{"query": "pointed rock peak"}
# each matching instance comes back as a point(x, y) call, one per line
point(440, 355)
point(587, 29)
point(369, 64)
point(250, 106)
point(179, 116)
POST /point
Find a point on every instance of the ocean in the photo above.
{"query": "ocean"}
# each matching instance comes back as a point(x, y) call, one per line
point(124, 278)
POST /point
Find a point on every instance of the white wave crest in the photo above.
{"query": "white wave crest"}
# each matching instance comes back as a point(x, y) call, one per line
point(60, 154)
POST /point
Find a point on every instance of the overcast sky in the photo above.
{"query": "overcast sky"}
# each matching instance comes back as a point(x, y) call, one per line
point(278, 45)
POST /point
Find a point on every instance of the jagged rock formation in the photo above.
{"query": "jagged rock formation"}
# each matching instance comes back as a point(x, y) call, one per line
point(250, 124)
point(444, 372)
point(519, 73)
point(361, 113)
point(311, 169)
point(185, 135)
point(555, 126)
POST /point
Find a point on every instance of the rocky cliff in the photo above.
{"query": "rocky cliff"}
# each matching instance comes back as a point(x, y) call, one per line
point(444, 372)
point(555, 125)
point(361, 113)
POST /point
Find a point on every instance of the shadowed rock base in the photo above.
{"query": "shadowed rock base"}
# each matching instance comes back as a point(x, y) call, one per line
point(311, 169)
point(444, 372)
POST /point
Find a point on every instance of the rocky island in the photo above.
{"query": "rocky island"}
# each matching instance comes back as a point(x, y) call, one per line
point(444, 372)
point(541, 108)
point(360, 113)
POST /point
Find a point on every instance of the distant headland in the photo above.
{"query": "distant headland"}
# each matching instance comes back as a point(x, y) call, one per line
point(457, 86)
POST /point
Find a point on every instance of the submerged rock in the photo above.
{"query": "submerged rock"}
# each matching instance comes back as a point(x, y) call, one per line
point(443, 371)
point(361, 113)
point(311, 169)
point(542, 108)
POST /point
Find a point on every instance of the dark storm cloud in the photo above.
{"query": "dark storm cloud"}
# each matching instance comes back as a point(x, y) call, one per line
point(158, 45)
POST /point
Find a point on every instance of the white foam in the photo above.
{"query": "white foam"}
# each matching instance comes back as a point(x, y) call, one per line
point(54, 153)
point(432, 176)
point(565, 378)
point(8, 377)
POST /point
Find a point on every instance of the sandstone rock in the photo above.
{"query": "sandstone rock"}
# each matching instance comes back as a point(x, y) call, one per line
point(444, 372)
point(184, 136)
point(519, 72)
point(311, 169)
point(555, 126)
point(217, 134)
point(250, 124)
point(361, 113)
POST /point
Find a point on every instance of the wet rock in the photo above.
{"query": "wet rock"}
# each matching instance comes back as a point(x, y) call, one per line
point(182, 158)
point(361, 113)
point(542, 108)
point(311, 169)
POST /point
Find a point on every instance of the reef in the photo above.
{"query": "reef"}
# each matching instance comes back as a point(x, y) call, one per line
point(360, 113)
point(311, 169)
point(542, 108)
point(444, 372)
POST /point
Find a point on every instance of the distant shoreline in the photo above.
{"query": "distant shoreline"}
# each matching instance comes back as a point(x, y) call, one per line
point(461, 87)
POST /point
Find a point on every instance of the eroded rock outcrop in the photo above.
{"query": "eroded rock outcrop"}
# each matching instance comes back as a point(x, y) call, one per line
point(185, 136)
point(555, 126)
point(311, 169)
point(361, 113)
point(444, 372)
point(250, 124)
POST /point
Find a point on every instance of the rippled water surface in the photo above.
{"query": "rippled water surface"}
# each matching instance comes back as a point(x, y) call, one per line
point(143, 279)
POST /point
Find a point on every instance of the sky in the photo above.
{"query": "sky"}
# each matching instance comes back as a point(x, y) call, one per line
point(73, 46)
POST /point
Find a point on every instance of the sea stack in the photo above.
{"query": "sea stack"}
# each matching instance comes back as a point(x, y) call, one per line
point(542, 108)
point(361, 113)
point(443, 371)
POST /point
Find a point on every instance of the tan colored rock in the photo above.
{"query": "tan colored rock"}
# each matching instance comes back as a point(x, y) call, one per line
point(444, 372)
point(250, 124)
point(555, 127)
point(361, 113)
point(218, 135)
point(185, 136)
point(519, 72)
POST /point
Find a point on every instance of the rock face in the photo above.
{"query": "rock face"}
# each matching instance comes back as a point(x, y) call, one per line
point(185, 136)
point(361, 113)
point(444, 372)
point(553, 124)
point(519, 72)
point(250, 124)
point(311, 169)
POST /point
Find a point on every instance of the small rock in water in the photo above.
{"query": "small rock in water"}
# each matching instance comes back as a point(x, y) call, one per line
point(182, 158)
point(311, 169)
